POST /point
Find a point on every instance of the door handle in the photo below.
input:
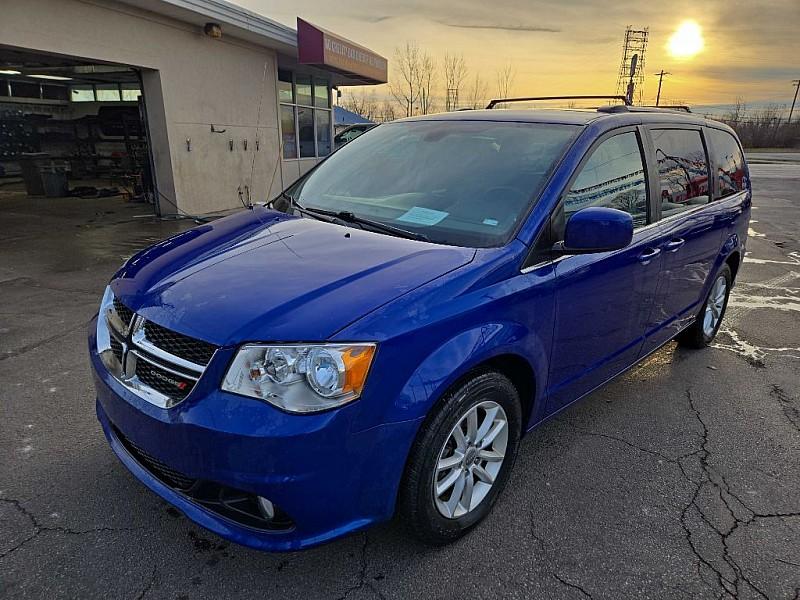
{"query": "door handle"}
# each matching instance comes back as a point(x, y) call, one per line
point(648, 255)
point(674, 244)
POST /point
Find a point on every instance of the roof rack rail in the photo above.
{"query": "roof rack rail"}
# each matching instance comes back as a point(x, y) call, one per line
point(625, 108)
point(496, 101)
point(682, 107)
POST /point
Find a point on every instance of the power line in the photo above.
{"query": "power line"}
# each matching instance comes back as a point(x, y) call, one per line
point(796, 84)
point(660, 79)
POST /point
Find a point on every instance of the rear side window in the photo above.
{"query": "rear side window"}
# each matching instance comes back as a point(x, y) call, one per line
point(682, 169)
point(612, 177)
point(729, 161)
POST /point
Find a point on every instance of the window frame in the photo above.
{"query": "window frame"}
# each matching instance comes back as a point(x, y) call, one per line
point(315, 79)
point(648, 128)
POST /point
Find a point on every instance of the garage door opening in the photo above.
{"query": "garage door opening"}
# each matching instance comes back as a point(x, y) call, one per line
point(70, 128)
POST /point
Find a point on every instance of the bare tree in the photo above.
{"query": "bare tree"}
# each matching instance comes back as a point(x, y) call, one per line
point(406, 89)
point(362, 103)
point(505, 81)
point(386, 112)
point(427, 74)
point(475, 93)
point(455, 73)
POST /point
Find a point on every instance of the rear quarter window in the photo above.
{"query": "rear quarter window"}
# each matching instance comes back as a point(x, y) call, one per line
point(682, 169)
point(729, 162)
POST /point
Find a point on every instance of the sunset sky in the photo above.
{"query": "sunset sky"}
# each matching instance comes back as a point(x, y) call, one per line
point(747, 49)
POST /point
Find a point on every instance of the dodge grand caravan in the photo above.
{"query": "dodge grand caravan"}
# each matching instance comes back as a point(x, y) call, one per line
point(376, 339)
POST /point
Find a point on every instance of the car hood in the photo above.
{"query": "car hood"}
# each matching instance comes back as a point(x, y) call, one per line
point(260, 275)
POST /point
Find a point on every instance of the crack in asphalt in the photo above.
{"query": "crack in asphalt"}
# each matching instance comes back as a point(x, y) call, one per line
point(731, 586)
point(785, 401)
point(572, 585)
point(150, 583)
point(39, 528)
point(729, 583)
point(33, 346)
point(553, 574)
point(30, 282)
point(362, 574)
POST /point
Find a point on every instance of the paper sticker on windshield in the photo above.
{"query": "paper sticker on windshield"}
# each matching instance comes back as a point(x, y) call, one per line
point(492, 222)
point(423, 216)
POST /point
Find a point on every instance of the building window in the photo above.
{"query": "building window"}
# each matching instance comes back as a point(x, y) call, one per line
point(82, 93)
point(305, 114)
point(130, 92)
point(323, 123)
point(25, 89)
point(288, 131)
point(107, 92)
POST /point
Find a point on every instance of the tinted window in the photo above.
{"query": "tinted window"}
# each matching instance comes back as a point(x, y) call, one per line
point(288, 133)
point(682, 169)
point(323, 119)
point(303, 90)
point(285, 89)
point(613, 177)
point(321, 94)
point(466, 183)
point(729, 160)
point(305, 126)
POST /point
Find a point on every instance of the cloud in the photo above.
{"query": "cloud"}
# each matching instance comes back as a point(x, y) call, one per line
point(746, 73)
point(498, 26)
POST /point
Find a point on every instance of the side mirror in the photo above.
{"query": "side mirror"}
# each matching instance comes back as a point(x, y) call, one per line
point(597, 229)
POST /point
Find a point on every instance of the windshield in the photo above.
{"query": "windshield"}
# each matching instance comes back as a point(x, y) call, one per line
point(464, 183)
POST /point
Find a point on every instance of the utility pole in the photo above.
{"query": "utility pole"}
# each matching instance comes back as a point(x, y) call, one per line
point(796, 84)
point(660, 79)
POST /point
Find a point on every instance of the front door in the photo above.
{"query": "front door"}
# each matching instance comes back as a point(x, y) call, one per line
point(603, 300)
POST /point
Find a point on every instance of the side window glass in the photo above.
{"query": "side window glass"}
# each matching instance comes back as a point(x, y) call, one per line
point(729, 160)
point(682, 169)
point(613, 177)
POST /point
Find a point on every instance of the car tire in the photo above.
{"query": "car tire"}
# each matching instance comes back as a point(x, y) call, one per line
point(439, 519)
point(702, 332)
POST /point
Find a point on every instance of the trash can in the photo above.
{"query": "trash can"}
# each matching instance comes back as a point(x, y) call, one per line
point(29, 165)
point(54, 179)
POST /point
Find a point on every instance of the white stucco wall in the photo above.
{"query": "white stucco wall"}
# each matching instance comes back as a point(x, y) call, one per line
point(190, 83)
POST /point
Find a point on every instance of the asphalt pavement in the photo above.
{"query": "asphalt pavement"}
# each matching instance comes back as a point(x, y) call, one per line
point(679, 480)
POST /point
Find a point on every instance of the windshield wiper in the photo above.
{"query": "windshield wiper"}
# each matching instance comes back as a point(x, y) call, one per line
point(317, 214)
point(348, 217)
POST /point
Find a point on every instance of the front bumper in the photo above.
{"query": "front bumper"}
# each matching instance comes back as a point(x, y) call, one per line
point(329, 478)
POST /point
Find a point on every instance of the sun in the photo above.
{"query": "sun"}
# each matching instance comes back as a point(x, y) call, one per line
point(687, 41)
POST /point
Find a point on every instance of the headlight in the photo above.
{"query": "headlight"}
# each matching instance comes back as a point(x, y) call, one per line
point(301, 378)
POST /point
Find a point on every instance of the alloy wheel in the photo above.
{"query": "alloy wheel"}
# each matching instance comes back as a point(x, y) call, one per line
point(715, 305)
point(470, 459)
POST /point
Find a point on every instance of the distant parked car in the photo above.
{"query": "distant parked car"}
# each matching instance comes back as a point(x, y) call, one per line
point(419, 301)
point(351, 133)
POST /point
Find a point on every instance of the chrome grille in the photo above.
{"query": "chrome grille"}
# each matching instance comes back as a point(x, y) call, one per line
point(116, 348)
point(196, 351)
point(157, 364)
point(169, 382)
point(124, 313)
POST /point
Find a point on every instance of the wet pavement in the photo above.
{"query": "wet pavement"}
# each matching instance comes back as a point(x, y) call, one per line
point(679, 480)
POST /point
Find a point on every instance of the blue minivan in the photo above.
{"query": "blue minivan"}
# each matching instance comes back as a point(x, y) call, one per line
point(376, 340)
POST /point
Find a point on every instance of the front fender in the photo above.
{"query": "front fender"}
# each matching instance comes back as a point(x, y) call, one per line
point(461, 354)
